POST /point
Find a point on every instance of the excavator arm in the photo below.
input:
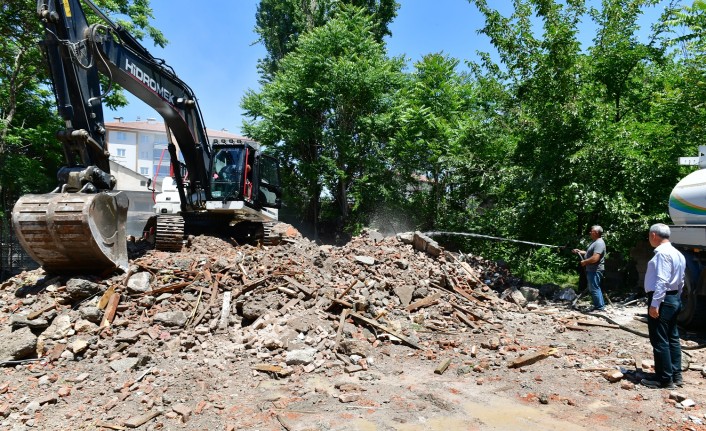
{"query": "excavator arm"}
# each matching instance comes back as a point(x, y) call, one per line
point(80, 226)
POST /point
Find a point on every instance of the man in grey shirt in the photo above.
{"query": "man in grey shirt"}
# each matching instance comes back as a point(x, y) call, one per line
point(593, 259)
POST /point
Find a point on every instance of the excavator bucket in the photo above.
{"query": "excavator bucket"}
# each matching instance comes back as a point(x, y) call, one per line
point(73, 232)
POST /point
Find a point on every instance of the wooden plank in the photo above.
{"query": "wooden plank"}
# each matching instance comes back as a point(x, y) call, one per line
point(137, 421)
point(442, 366)
point(596, 323)
point(424, 302)
point(305, 290)
point(386, 329)
point(33, 315)
point(104, 298)
point(460, 316)
point(339, 332)
point(211, 301)
point(110, 310)
point(476, 316)
point(531, 358)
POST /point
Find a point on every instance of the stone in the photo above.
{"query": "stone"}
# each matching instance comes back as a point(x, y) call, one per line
point(612, 375)
point(59, 328)
point(79, 288)
point(92, 314)
point(404, 292)
point(20, 320)
point(530, 293)
point(139, 283)
point(300, 357)
point(355, 346)
point(125, 364)
point(365, 260)
point(688, 403)
point(171, 318)
point(517, 297)
point(78, 346)
point(183, 410)
point(568, 294)
point(348, 398)
point(16, 345)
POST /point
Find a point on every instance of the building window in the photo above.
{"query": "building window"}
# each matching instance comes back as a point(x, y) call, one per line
point(145, 139)
point(122, 136)
point(144, 171)
point(121, 152)
point(144, 154)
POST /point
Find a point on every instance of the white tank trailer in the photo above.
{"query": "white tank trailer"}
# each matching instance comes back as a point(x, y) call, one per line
point(687, 209)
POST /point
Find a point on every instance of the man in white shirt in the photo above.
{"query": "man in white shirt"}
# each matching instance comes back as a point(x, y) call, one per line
point(664, 281)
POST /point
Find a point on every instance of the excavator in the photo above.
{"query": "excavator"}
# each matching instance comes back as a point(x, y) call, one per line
point(221, 187)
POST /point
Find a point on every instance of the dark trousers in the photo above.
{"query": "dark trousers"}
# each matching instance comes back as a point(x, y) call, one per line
point(664, 337)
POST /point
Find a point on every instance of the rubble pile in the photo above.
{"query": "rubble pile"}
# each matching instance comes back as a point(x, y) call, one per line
point(294, 304)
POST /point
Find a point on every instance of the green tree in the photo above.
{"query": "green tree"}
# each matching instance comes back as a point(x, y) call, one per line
point(324, 115)
point(280, 24)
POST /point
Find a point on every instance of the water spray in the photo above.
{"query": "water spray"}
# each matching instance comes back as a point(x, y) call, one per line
point(495, 238)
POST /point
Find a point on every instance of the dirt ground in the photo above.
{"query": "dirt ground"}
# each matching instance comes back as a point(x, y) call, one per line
point(381, 334)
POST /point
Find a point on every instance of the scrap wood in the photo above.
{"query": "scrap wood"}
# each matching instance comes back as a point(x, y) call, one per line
point(575, 328)
point(168, 288)
point(442, 366)
point(104, 299)
point(460, 316)
point(33, 315)
point(196, 306)
point(597, 369)
point(350, 286)
point(250, 286)
point(471, 274)
point(342, 302)
point(286, 307)
point(305, 290)
point(341, 322)
point(285, 423)
point(386, 329)
point(211, 301)
point(110, 310)
point(531, 358)
point(137, 421)
point(424, 302)
point(101, 424)
point(595, 323)
point(476, 316)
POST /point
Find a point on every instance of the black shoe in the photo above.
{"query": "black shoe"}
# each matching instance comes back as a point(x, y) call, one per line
point(679, 382)
point(654, 384)
point(597, 310)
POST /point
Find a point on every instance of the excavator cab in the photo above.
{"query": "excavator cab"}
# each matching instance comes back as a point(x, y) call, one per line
point(228, 173)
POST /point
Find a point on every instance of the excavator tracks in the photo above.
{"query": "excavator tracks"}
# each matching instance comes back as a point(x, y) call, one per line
point(169, 235)
point(73, 232)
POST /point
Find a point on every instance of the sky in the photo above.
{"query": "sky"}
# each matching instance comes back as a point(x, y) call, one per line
point(213, 48)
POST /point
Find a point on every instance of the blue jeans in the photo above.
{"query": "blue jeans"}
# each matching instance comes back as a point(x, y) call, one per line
point(594, 279)
point(664, 337)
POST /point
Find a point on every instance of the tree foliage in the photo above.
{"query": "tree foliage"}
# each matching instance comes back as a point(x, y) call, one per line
point(325, 114)
point(280, 24)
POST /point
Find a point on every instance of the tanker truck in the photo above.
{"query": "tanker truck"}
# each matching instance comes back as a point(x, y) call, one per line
point(687, 209)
